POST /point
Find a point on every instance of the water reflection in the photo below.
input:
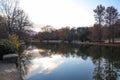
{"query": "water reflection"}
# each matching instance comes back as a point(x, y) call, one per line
point(105, 64)
point(39, 61)
point(70, 62)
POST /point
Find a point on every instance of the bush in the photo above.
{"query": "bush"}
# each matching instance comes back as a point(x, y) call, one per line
point(14, 40)
point(9, 46)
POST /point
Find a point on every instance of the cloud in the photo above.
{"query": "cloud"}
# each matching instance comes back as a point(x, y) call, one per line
point(58, 13)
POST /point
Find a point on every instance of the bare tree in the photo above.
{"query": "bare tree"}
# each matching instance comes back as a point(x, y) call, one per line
point(21, 20)
point(16, 18)
point(47, 28)
point(8, 8)
point(99, 17)
point(111, 18)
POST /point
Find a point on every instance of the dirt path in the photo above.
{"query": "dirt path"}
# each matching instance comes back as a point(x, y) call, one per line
point(8, 71)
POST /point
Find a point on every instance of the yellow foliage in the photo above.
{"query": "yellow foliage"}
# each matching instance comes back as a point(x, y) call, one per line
point(14, 39)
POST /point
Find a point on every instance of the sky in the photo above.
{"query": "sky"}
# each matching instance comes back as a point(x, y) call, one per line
point(61, 13)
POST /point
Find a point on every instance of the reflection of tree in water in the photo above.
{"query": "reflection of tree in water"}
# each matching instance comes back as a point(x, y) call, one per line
point(73, 50)
point(23, 61)
point(96, 53)
point(105, 59)
point(83, 51)
point(110, 70)
point(105, 63)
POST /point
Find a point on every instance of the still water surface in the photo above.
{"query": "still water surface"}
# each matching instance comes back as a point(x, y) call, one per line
point(70, 62)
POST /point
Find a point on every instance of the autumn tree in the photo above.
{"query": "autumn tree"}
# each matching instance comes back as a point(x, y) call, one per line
point(99, 17)
point(94, 36)
point(117, 29)
point(63, 33)
point(46, 33)
point(111, 18)
point(105, 32)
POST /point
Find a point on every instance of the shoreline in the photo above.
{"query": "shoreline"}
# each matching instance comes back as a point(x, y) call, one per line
point(102, 44)
point(78, 42)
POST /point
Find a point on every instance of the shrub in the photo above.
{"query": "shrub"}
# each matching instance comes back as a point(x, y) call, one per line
point(14, 40)
point(9, 46)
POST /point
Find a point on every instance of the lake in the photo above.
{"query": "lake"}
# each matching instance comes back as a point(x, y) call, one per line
point(69, 62)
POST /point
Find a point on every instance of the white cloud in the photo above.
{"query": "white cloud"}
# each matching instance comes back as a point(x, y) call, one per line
point(58, 13)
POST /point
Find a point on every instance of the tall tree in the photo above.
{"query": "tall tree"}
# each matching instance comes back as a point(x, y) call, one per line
point(111, 18)
point(21, 22)
point(15, 17)
point(8, 8)
point(99, 17)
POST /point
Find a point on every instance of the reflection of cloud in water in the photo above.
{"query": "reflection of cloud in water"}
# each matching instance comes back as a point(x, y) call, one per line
point(31, 48)
point(35, 53)
point(44, 65)
point(50, 64)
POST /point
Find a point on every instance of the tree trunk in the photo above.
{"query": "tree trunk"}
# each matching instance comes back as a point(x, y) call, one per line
point(113, 35)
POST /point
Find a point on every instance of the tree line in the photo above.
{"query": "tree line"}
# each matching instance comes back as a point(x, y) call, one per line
point(107, 27)
point(14, 20)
